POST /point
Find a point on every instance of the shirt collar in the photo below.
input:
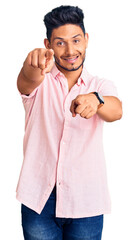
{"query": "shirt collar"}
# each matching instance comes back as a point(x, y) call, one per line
point(83, 78)
point(55, 71)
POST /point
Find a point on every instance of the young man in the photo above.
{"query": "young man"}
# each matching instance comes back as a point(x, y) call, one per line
point(63, 185)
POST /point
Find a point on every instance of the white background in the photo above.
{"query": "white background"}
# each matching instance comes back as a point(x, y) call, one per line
point(113, 53)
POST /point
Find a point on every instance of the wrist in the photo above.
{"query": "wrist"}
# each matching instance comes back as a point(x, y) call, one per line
point(99, 98)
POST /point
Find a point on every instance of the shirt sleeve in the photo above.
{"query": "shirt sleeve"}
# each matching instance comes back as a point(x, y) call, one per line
point(29, 97)
point(28, 102)
point(107, 88)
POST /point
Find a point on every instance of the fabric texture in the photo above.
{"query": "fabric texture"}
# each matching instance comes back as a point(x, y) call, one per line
point(64, 150)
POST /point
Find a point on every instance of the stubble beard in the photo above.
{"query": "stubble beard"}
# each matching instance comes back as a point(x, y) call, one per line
point(67, 69)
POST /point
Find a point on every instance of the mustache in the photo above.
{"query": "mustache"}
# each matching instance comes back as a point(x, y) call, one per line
point(69, 70)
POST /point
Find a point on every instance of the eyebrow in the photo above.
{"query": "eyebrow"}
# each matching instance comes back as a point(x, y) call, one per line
point(77, 35)
point(72, 37)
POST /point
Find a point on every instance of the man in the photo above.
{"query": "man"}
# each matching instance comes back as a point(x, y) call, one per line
point(62, 185)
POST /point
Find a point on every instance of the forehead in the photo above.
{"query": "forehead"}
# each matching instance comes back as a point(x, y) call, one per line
point(67, 31)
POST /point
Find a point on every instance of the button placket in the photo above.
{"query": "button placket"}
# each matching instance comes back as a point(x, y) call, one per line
point(60, 166)
point(66, 136)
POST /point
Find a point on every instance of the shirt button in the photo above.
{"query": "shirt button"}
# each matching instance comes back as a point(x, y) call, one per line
point(64, 143)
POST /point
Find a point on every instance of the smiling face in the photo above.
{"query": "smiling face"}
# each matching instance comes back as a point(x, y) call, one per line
point(69, 44)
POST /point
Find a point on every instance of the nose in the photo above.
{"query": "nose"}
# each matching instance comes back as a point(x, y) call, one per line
point(69, 49)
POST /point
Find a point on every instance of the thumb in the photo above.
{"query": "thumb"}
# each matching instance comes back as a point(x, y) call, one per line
point(48, 67)
point(49, 61)
point(49, 53)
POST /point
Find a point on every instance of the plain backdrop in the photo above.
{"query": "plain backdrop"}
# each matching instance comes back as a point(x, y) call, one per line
point(113, 53)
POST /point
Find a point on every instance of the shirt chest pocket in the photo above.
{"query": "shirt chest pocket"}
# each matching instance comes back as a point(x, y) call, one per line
point(89, 123)
point(81, 123)
point(85, 123)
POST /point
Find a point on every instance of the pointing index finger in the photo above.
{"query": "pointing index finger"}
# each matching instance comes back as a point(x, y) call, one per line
point(49, 54)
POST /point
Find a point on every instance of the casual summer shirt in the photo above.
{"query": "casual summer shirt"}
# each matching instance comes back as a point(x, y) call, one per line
point(64, 150)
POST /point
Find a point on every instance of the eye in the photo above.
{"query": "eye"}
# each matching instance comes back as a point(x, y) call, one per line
point(76, 40)
point(60, 43)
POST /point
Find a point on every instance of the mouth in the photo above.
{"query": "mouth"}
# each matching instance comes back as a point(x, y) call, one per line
point(71, 60)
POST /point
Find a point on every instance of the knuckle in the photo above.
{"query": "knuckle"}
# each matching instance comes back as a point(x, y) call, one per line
point(77, 111)
point(42, 51)
point(90, 107)
point(35, 50)
point(86, 101)
point(79, 101)
point(34, 64)
point(29, 54)
point(41, 65)
point(78, 97)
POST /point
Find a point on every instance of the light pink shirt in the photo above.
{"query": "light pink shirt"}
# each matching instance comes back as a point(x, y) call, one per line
point(65, 150)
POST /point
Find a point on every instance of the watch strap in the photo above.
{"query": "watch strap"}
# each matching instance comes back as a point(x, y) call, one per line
point(99, 97)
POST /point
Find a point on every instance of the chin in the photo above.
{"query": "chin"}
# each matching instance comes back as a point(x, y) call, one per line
point(69, 68)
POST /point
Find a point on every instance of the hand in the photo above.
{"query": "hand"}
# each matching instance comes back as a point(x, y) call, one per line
point(86, 105)
point(41, 58)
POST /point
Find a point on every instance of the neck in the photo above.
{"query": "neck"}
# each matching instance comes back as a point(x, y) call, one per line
point(72, 76)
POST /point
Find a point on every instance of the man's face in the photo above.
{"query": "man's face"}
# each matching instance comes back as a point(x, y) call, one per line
point(69, 45)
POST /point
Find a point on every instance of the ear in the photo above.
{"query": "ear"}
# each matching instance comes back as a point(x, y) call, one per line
point(46, 43)
point(86, 39)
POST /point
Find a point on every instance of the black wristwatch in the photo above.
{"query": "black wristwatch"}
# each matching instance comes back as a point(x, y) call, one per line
point(100, 98)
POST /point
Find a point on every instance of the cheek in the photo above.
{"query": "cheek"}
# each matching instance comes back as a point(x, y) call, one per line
point(58, 53)
point(82, 49)
point(82, 53)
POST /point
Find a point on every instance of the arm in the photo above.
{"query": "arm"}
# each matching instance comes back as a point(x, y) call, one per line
point(87, 105)
point(111, 110)
point(37, 63)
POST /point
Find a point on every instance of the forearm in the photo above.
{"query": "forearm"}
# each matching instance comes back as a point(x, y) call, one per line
point(111, 110)
point(27, 81)
point(30, 73)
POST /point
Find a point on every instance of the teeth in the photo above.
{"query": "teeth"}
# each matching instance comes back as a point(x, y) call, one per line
point(71, 59)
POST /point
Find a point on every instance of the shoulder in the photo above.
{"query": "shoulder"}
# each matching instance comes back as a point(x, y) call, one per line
point(101, 84)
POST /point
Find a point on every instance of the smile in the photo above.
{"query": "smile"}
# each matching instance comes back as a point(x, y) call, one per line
point(71, 60)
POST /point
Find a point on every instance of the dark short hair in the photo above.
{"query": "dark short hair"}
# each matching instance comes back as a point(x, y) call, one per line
point(63, 15)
